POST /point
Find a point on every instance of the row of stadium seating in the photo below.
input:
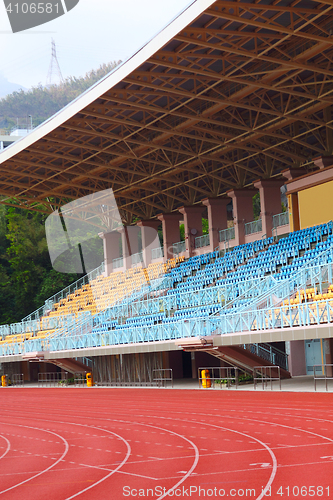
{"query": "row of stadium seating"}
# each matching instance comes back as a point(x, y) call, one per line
point(245, 263)
point(104, 292)
point(251, 261)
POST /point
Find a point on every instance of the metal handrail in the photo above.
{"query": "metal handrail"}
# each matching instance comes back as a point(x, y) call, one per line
point(202, 241)
point(254, 226)
point(178, 247)
point(157, 253)
point(162, 375)
point(227, 234)
point(116, 263)
point(324, 375)
point(41, 311)
point(264, 375)
point(217, 374)
point(137, 258)
point(281, 219)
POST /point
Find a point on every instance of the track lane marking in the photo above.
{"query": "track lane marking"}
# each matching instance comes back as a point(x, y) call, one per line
point(101, 467)
point(7, 449)
point(112, 472)
point(45, 470)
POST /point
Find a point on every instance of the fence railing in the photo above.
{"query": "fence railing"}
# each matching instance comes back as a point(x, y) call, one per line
point(266, 374)
point(157, 253)
point(220, 376)
point(137, 258)
point(280, 219)
point(324, 375)
point(253, 227)
point(179, 247)
point(17, 379)
point(202, 241)
point(161, 376)
point(116, 263)
point(227, 234)
point(61, 379)
point(269, 353)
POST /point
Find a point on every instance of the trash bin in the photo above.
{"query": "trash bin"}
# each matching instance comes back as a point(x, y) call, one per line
point(4, 381)
point(205, 379)
point(89, 379)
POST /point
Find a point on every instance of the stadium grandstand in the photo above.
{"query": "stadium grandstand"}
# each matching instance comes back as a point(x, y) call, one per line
point(231, 99)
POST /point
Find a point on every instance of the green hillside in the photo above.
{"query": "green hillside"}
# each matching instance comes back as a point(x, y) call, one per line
point(42, 102)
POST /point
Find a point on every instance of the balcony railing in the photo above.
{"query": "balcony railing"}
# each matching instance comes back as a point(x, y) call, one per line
point(281, 219)
point(118, 263)
point(137, 258)
point(227, 234)
point(157, 253)
point(253, 227)
point(179, 247)
point(202, 241)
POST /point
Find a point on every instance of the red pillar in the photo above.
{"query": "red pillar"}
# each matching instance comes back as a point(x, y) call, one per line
point(217, 219)
point(130, 243)
point(111, 249)
point(294, 220)
point(323, 161)
point(192, 226)
point(270, 202)
point(171, 235)
point(242, 206)
point(149, 238)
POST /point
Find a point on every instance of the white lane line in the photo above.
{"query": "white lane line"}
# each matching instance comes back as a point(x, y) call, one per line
point(100, 467)
point(7, 449)
point(113, 471)
point(48, 468)
point(274, 467)
point(196, 451)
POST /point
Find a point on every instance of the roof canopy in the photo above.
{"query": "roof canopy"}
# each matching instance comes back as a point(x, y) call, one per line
point(229, 92)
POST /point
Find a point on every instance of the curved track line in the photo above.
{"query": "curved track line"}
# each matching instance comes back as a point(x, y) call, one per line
point(48, 468)
point(196, 459)
point(8, 447)
point(197, 454)
point(127, 456)
point(111, 473)
point(274, 467)
point(285, 426)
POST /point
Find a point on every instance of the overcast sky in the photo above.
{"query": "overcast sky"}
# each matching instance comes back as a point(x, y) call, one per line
point(92, 33)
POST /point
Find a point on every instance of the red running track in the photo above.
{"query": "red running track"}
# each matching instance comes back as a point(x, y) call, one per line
point(59, 444)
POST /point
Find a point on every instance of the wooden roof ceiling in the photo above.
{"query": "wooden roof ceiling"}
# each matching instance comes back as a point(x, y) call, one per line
point(242, 91)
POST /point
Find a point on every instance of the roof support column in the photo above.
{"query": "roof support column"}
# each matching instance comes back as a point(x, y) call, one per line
point(217, 219)
point(293, 209)
point(242, 205)
point(111, 249)
point(171, 235)
point(130, 244)
point(149, 238)
point(270, 202)
point(192, 226)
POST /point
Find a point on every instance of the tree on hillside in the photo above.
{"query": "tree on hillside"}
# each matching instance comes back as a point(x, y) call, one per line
point(27, 278)
point(42, 102)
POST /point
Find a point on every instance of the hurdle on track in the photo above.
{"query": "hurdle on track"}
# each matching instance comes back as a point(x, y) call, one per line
point(161, 376)
point(324, 375)
point(221, 376)
point(265, 374)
